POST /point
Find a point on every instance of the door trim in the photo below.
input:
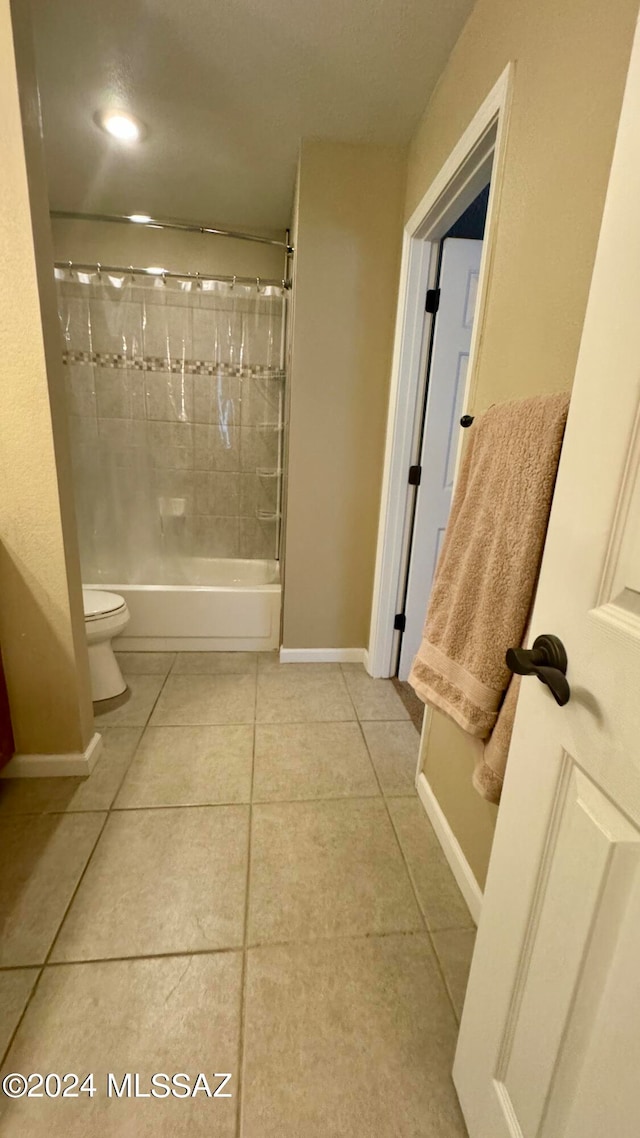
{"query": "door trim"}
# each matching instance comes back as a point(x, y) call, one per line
point(480, 149)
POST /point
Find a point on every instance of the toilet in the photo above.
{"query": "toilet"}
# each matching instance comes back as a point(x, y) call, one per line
point(105, 615)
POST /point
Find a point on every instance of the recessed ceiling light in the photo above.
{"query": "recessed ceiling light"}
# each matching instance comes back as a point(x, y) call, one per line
point(120, 125)
point(140, 218)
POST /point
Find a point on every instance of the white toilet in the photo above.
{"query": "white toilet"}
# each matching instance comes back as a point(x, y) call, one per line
point(105, 615)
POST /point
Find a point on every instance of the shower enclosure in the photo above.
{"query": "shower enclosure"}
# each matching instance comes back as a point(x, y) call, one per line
point(176, 396)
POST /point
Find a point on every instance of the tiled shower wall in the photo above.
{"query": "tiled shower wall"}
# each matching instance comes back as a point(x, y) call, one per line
point(184, 390)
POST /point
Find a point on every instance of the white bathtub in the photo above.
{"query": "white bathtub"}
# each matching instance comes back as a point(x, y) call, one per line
point(203, 604)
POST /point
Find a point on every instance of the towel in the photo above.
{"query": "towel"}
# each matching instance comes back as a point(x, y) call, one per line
point(487, 571)
point(491, 762)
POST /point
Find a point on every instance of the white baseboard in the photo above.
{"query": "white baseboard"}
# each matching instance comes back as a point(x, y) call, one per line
point(76, 763)
point(322, 655)
point(451, 848)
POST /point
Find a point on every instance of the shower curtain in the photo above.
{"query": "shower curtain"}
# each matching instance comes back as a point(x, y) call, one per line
point(175, 394)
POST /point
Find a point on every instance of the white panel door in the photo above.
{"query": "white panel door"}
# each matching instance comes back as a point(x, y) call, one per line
point(449, 358)
point(549, 1043)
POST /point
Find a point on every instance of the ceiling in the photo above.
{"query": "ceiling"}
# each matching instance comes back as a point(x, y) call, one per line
point(227, 88)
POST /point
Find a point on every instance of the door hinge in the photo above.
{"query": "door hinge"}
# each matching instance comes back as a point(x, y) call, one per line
point(433, 300)
point(399, 622)
point(415, 474)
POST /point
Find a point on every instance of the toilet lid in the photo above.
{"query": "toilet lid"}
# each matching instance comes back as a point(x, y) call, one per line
point(97, 603)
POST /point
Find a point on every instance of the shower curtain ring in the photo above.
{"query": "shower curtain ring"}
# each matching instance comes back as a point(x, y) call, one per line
point(258, 283)
point(233, 283)
point(99, 268)
point(198, 281)
point(133, 275)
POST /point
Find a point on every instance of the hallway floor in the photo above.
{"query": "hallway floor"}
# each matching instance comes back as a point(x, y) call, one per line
point(246, 884)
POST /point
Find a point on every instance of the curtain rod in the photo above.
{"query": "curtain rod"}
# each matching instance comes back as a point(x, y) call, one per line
point(158, 223)
point(98, 267)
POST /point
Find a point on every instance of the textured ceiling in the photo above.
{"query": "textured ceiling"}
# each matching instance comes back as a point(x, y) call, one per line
point(227, 89)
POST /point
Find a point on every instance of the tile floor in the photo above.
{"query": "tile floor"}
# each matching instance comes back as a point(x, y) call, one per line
point(247, 883)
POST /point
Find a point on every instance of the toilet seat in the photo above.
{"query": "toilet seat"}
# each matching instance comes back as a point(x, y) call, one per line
point(98, 604)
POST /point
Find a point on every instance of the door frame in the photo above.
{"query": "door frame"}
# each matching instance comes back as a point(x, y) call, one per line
point(478, 155)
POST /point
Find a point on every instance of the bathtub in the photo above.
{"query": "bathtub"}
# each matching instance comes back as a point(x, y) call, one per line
point(203, 604)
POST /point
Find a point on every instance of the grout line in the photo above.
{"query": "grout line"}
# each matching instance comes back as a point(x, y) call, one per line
point(212, 675)
point(436, 933)
point(57, 931)
point(90, 960)
point(245, 933)
point(424, 927)
point(359, 936)
point(224, 950)
point(80, 878)
point(249, 722)
point(144, 808)
point(428, 929)
point(178, 806)
point(408, 871)
point(24, 1010)
point(115, 809)
point(125, 771)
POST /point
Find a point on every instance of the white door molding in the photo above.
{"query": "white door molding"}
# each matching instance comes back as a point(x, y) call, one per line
point(479, 154)
point(72, 764)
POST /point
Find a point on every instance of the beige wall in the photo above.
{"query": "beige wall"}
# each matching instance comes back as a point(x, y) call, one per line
point(570, 66)
point(41, 618)
point(113, 244)
point(348, 247)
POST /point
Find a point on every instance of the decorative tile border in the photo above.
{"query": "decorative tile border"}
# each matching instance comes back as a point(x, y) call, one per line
point(174, 364)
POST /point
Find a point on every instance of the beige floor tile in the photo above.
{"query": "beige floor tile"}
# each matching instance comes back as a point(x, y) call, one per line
point(302, 696)
point(135, 712)
point(204, 700)
point(169, 1014)
point(41, 860)
point(411, 701)
point(97, 792)
point(189, 766)
point(311, 760)
point(215, 663)
point(145, 663)
point(15, 988)
point(161, 881)
point(268, 661)
point(352, 1038)
point(322, 869)
point(442, 902)
point(373, 699)
point(455, 949)
point(394, 751)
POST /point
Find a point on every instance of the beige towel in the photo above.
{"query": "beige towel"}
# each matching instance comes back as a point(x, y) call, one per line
point(487, 570)
point(491, 763)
